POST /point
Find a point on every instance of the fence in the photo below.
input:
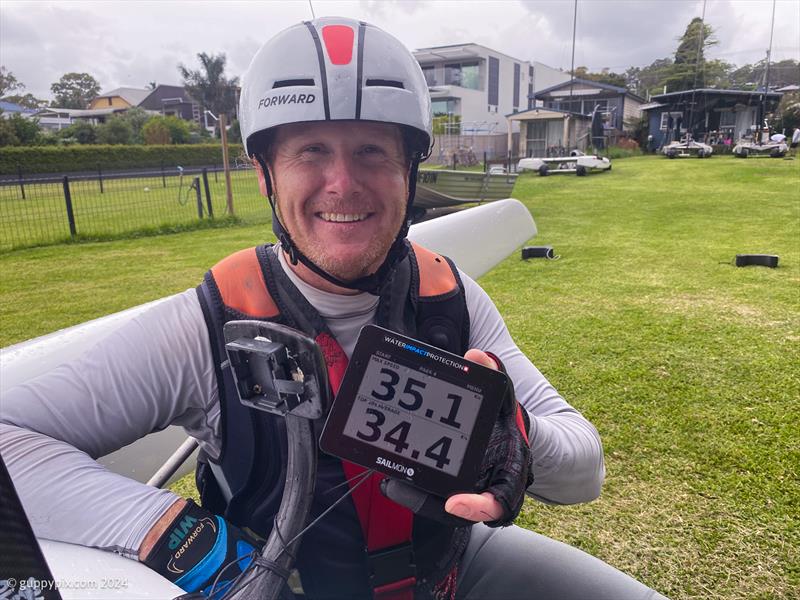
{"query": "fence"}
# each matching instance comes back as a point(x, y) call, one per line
point(51, 210)
point(468, 150)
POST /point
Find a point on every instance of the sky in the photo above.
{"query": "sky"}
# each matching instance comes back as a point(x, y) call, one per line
point(131, 43)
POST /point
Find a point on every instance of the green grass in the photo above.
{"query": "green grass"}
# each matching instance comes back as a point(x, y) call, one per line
point(125, 208)
point(687, 365)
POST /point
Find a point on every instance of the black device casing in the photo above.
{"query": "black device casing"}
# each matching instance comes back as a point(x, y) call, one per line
point(491, 383)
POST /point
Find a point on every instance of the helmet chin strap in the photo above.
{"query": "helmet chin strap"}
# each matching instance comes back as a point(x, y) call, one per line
point(369, 283)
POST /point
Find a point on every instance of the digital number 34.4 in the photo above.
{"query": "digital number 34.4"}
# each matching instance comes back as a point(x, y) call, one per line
point(397, 436)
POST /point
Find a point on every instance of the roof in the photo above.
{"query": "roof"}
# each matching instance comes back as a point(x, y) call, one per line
point(603, 86)
point(543, 113)
point(78, 112)
point(659, 97)
point(132, 96)
point(12, 107)
point(458, 52)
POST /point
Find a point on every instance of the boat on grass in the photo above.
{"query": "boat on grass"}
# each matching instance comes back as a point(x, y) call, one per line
point(442, 188)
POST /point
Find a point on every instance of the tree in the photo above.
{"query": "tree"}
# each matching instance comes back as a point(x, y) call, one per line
point(75, 90)
point(604, 76)
point(788, 113)
point(166, 130)
point(114, 131)
point(81, 131)
point(136, 117)
point(9, 83)
point(208, 86)
point(688, 69)
point(26, 101)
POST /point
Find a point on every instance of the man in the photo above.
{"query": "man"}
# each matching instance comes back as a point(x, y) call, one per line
point(336, 115)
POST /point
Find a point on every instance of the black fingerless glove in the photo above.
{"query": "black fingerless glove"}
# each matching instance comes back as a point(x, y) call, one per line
point(505, 472)
point(197, 547)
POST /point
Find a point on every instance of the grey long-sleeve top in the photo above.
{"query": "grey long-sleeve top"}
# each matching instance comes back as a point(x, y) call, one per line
point(157, 370)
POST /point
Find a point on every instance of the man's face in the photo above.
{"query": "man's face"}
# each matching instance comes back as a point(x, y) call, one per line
point(341, 190)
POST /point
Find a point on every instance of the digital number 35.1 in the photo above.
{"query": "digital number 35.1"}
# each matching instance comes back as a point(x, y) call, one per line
point(413, 389)
point(397, 436)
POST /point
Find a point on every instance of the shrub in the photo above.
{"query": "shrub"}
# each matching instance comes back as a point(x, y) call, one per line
point(77, 158)
point(114, 131)
point(156, 132)
point(82, 132)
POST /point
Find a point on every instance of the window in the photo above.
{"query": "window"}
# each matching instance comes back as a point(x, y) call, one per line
point(430, 77)
point(446, 106)
point(494, 81)
point(727, 119)
point(462, 74)
point(665, 119)
point(517, 76)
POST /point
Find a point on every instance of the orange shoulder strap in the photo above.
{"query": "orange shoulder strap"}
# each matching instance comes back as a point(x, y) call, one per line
point(241, 284)
point(435, 275)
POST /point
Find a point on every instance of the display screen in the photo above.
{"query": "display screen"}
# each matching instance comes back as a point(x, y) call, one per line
point(412, 414)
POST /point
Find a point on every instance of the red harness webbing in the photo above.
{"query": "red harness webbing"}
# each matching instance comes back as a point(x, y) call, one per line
point(385, 524)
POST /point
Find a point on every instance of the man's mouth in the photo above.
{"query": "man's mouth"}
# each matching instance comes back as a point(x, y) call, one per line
point(342, 217)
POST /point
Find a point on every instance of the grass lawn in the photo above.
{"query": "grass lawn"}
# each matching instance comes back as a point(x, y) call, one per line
point(687, 365)
point(125, 207)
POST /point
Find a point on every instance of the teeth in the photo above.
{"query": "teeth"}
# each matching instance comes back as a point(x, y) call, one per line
point(342, 218)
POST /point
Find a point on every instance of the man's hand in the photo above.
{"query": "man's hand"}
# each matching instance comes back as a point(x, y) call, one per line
point(506, 468)
point(505, 472)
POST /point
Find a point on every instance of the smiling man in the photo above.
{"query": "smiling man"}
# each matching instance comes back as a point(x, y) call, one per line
point(336, 115)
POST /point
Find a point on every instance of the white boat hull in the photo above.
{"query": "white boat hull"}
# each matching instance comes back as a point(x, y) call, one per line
point(580, 165)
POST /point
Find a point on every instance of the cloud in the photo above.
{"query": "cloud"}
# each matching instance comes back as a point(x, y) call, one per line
point(132, 43)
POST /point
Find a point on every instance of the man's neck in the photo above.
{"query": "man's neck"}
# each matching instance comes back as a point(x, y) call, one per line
point(317, 281)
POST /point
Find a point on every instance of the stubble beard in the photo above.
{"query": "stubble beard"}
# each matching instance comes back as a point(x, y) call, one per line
point(343, 269)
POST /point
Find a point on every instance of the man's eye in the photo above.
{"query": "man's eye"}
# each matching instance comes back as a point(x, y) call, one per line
point(312, 148)
point(372, 150)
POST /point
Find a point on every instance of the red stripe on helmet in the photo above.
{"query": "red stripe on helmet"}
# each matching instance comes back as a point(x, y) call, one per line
point(339, 43)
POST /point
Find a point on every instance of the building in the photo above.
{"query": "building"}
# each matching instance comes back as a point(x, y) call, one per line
point(581, 96)
point(713, 116)
point(123, 98)
point(477, 86)
point(547, 132)
point(172, 100)
point(55, 119)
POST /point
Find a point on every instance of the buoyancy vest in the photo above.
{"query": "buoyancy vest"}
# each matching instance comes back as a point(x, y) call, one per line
point(361, 548)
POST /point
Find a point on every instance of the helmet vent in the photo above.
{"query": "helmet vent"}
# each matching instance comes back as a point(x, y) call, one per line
point(385, 83)
point(292, 83)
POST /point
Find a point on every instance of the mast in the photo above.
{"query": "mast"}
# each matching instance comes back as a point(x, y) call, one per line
point(690, 124)
point(765, 89)
point(572, 68)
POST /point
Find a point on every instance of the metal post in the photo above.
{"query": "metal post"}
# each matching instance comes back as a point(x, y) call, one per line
point(208, 194)
point(224, 134)
point(485, 166)
point(68, 200)
point(100, 177)
point(454, 160)
point(196, 186)
point(21, 184)
point(163, 175)
point(215, 174)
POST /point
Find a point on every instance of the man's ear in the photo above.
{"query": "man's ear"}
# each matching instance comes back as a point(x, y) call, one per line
point(262, 182)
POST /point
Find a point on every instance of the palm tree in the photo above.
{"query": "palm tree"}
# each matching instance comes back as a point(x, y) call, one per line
point(208, 85)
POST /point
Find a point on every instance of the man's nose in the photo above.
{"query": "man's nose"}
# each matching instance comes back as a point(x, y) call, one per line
point(342, 175)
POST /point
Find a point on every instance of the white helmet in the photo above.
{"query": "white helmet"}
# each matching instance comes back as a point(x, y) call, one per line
point(334, 69)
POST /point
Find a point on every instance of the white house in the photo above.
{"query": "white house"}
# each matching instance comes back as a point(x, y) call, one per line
point(480, 85)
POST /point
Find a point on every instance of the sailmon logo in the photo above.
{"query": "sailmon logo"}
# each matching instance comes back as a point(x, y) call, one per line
point(389, 464)
point(287, 99)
